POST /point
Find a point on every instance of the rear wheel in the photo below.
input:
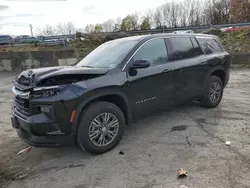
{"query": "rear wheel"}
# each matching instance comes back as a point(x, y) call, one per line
point(101, 127)
point(213, 92)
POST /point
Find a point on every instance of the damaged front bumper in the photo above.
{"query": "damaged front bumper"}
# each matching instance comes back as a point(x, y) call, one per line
point(38, 131)
point(45, 121)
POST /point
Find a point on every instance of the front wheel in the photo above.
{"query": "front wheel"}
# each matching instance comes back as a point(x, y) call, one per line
point(101, 127)
point(213, 92)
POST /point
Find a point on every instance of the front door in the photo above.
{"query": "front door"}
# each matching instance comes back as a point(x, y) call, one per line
point(152, 87)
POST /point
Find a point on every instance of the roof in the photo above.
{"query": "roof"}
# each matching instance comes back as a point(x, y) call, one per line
point(147, 37)
point(178, 35)
point(135, 38)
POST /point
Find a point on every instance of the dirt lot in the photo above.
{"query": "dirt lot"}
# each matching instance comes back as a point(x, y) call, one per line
point(155, 148)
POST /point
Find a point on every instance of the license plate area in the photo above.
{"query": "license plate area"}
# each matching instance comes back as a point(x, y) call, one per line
point(15, 123)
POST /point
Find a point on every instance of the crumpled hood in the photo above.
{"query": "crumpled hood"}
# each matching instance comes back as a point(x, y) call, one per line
point(32, 77)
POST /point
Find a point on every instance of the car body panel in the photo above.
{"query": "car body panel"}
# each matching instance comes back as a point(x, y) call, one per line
point(142, 90)
point(5, 39)
point(151, 88)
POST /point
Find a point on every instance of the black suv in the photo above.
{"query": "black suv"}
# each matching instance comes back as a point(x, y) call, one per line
point(121, 80)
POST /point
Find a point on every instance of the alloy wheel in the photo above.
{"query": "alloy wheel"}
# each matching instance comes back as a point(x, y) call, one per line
point(215, 92)
point(103, 129)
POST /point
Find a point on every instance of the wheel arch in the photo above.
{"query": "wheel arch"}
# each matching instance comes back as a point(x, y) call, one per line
point(117, 98)
point(217, 71)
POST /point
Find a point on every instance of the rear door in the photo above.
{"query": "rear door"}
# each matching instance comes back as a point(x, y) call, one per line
point(189, 62)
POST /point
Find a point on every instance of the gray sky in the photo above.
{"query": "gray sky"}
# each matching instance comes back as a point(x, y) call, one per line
point(16, 15)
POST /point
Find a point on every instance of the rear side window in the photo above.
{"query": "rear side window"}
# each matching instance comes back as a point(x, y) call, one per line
point(197, 48)
point(182, 48)
point(155, 51)
point(210, 45)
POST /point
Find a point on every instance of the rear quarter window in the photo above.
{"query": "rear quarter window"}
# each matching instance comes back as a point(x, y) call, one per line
point(210, 45)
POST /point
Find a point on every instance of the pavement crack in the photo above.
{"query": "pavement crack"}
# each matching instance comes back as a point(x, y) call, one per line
point(202, 127)
point(58, 168)
point(42, 170)
point(233, 149)
point(7, 159)
point(188, 141)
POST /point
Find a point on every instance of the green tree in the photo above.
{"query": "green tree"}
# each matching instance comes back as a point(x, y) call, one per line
point(126, 24)
point(145, 24)
point(98, 28)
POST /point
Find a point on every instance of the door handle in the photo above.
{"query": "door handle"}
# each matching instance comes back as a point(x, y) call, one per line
point(166, 70)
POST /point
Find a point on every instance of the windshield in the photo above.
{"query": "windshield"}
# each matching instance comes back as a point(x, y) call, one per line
point(108, 55)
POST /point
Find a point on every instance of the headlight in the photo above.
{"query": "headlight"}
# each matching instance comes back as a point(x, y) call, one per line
point(46, 92)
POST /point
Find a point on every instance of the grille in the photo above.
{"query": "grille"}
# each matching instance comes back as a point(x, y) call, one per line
point(22, 106)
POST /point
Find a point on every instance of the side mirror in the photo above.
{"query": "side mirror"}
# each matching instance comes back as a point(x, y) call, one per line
point(140, 64)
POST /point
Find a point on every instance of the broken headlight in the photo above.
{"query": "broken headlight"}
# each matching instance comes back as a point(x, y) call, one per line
point(45, 92)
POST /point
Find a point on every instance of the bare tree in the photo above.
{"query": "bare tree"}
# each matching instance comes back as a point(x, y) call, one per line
point(166, 14)
point(65, 28)
point(173, 9)
point(149, 15)
point(89, 28)
point(158, 17)
point(183, 13)
point(70, 28)
point(194, 12)
point(216, 12)
point(108, 26)
point(39, 31)
point(135, 20)
point(47, 30)
point(118, 22)
point(60, 29)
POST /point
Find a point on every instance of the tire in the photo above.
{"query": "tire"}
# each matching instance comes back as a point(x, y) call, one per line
point(207, 101)
point(87, 126)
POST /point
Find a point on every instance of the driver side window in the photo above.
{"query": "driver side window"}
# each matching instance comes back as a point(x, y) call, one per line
point(155, 51)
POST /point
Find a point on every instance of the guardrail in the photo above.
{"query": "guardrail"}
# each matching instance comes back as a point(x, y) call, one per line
point(57, 37)
point(202, 27)
point(62, 39)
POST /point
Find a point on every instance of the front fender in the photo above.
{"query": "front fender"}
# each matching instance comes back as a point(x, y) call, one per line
point(93, 95)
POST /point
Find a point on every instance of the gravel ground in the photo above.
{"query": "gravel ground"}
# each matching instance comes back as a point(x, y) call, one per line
point(155, 148)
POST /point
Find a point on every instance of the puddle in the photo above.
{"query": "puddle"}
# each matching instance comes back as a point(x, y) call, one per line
point(179, 128)
point(203, 120)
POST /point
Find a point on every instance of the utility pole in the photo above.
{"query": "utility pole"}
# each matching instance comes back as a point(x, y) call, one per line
point(31, 30)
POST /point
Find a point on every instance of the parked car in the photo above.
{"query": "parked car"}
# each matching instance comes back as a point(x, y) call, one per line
point(40, 38)
point(183, 32)
point(118, 82)
point(232, 29)
point(212, 31)
point(5, 39)
point(235, 29)
point(25, 39)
